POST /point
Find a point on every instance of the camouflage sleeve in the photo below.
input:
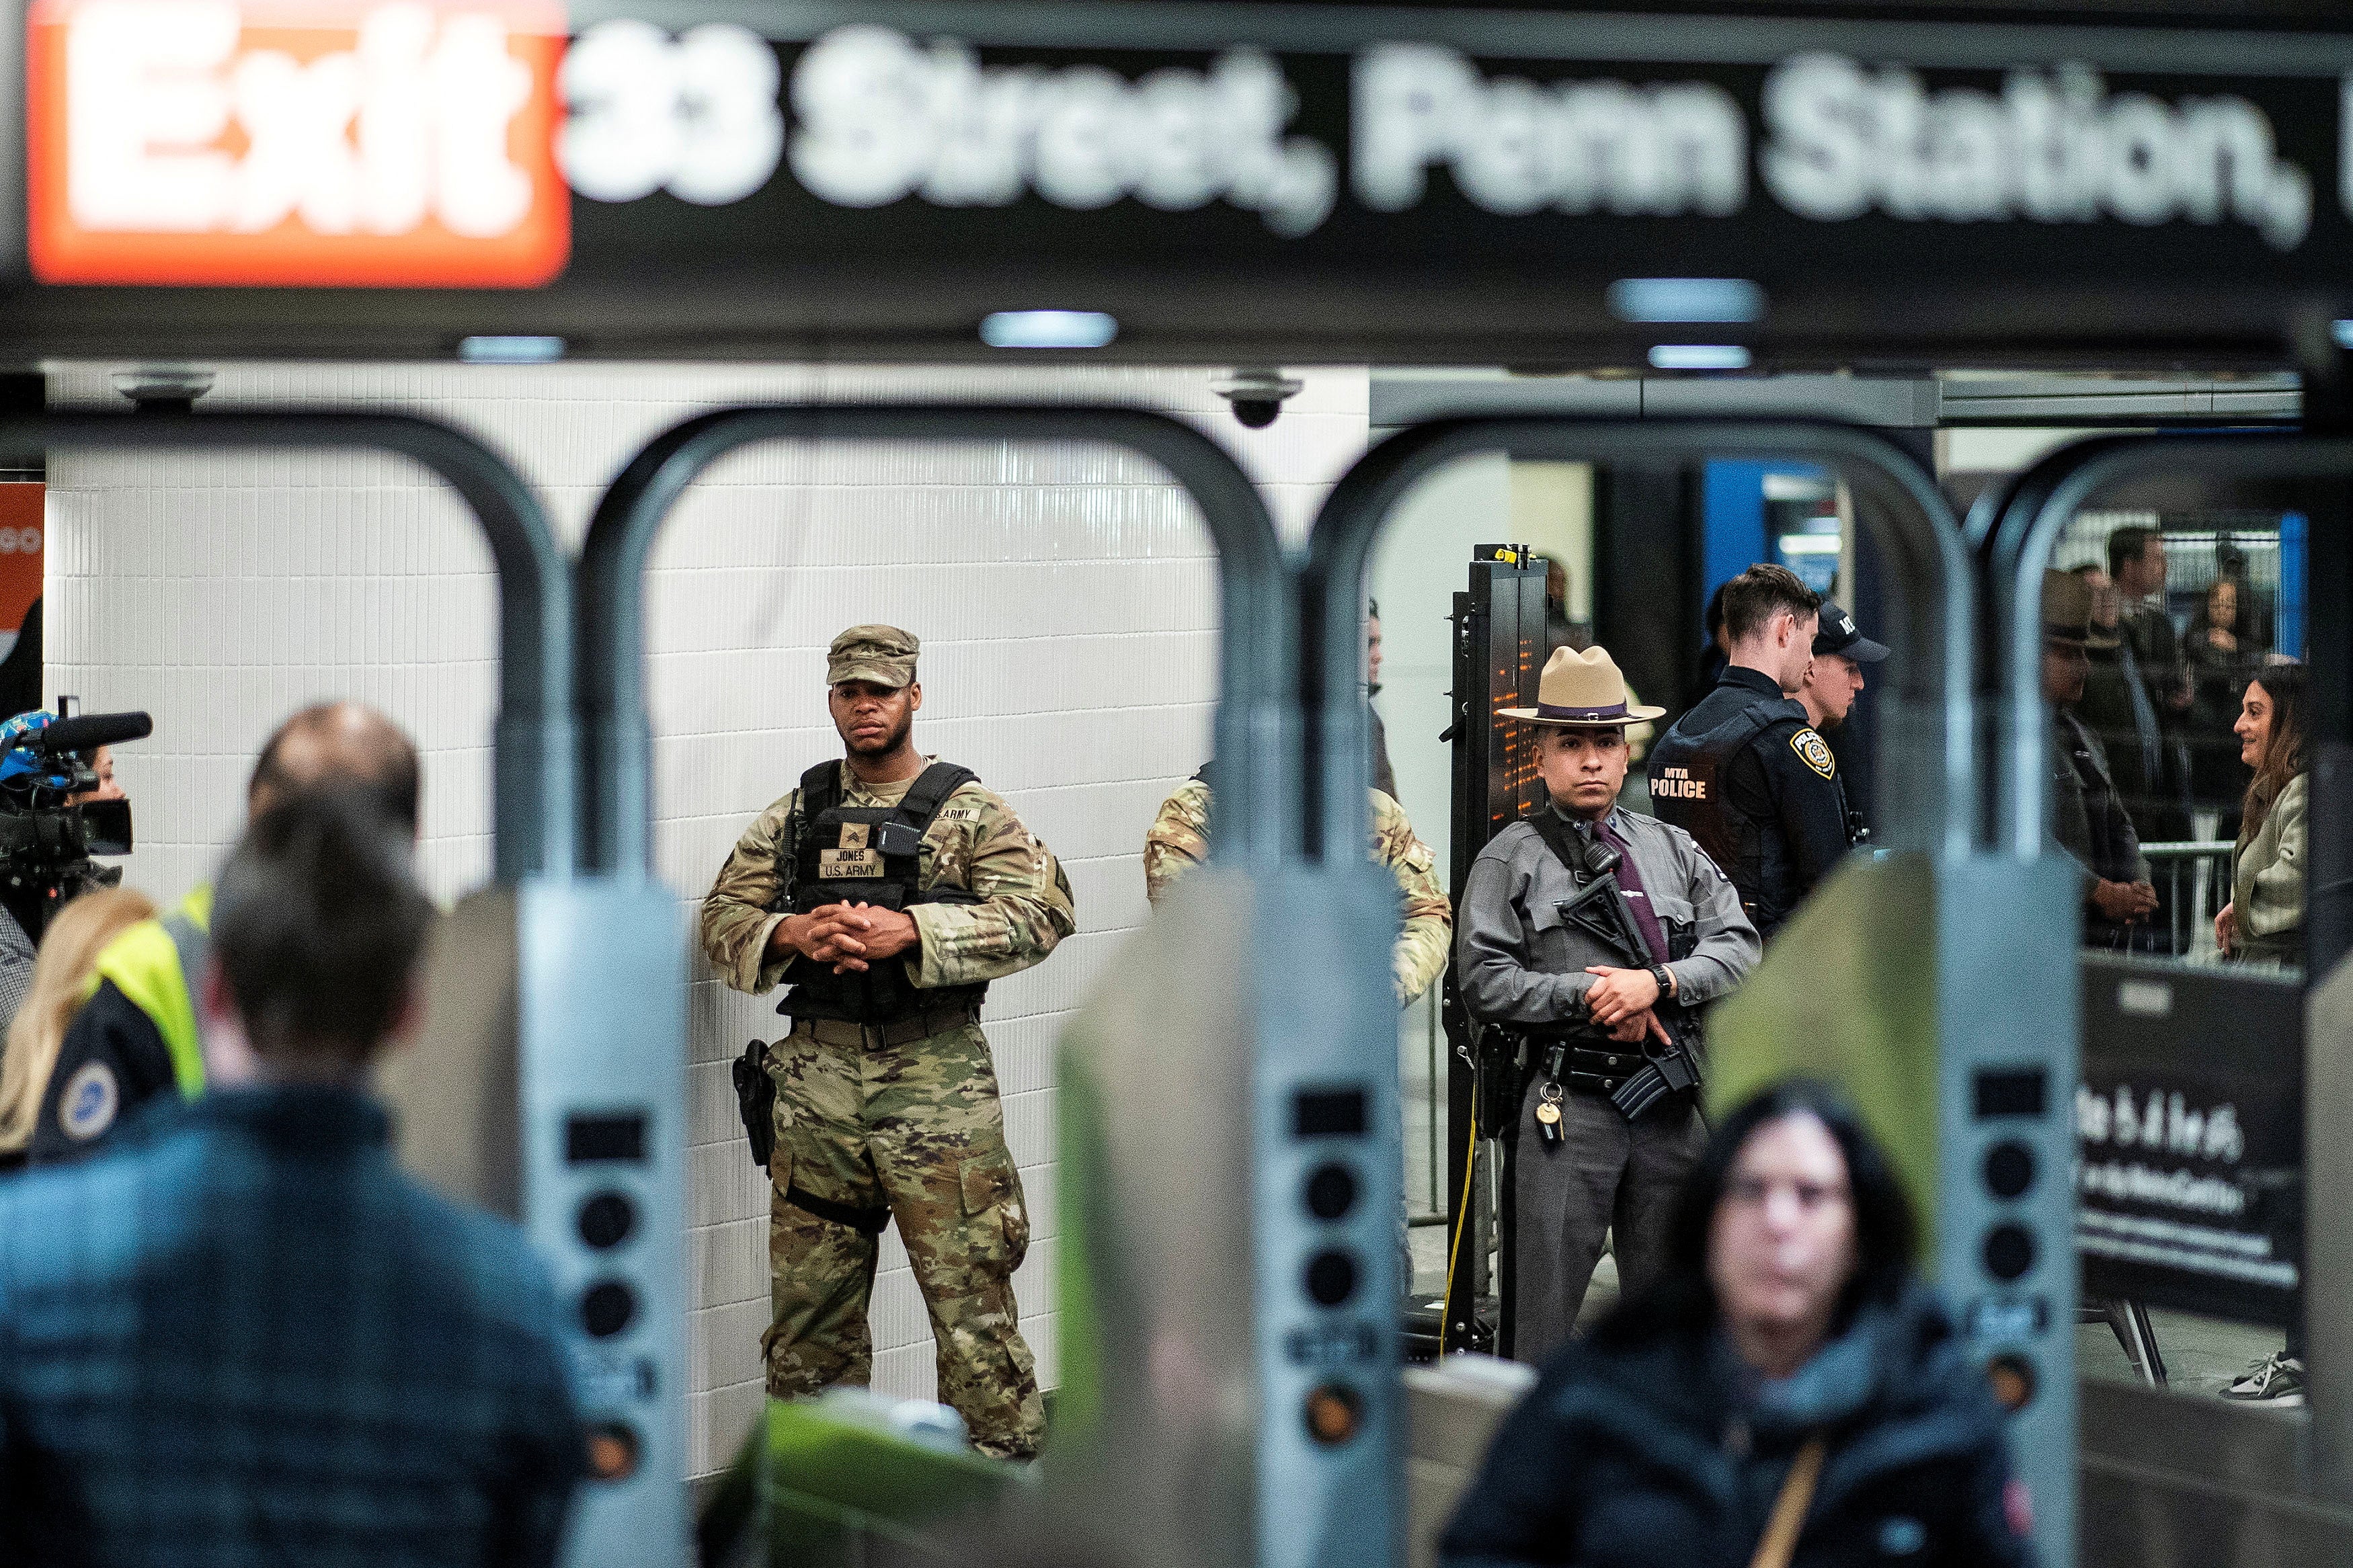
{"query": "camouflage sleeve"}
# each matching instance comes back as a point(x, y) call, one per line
point(1428, 930)
point(977, 843)
point(1179, 838)
point(736, 914)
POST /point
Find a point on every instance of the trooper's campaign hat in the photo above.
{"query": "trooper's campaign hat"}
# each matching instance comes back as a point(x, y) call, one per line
point(1581, 688)
point(1837, 632)
point(883, 655)
point(2067, 612)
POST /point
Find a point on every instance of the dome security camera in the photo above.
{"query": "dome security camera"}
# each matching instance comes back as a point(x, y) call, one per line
point(1256, 394)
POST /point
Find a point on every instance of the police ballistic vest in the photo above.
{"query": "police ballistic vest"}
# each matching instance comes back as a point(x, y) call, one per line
point(1687, 778)
point(868, 855)
point(155, 965)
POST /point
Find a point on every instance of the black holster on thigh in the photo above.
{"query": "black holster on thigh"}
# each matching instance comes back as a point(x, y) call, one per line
point(755, 1100)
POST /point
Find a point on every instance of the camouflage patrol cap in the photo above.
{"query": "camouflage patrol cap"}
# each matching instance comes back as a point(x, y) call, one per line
point(883, 655)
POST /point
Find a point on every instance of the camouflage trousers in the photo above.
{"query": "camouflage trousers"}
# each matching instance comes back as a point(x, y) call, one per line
point(914, 1129)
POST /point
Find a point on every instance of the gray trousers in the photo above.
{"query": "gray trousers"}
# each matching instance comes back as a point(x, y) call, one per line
point(1608, 1175)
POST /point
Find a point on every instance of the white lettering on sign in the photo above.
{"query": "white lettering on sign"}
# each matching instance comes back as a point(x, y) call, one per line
point(20, 541)
point(1512, 146)
point(2164, 1122)
point(697, 117)
point(411, 120)
point(881, 117)
point(2055, 147)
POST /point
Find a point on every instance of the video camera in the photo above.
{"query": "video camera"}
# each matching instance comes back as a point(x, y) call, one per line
point(47, 837)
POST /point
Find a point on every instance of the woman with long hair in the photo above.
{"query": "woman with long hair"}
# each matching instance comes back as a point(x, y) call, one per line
point(1784, 1389)
point(2264, 922)
point(60, 986)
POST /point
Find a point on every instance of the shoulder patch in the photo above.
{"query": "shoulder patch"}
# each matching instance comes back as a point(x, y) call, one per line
point(960, 813)
point(1814, 751)
point(89, 1105)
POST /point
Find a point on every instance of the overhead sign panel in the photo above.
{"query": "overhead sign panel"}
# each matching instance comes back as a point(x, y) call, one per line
point(264, 142)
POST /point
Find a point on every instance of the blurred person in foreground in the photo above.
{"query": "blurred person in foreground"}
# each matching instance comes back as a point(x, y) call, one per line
point(141, 1032)
point(61, 984)
point(242, 1334)
point(1785, 1392)
point(2264, 922)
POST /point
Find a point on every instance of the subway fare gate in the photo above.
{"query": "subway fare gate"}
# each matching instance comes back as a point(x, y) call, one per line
point(1363, 156)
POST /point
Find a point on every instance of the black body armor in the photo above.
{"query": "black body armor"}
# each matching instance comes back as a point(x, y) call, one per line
point(1688, 776)
point(867, 854)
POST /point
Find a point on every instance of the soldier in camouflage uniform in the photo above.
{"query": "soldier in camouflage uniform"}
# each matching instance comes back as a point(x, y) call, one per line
point(888, 890)
point(1178, 840)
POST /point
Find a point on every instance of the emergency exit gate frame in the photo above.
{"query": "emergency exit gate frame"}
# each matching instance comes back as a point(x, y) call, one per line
point(1254, 674)
point(1937, 581)
point(535, 793)
point(1315, 1083)
point(600, 966)
point(2307, 1456)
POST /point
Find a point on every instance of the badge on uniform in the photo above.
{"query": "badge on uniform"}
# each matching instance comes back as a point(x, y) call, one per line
point(1814, 751)
point(88, 1105)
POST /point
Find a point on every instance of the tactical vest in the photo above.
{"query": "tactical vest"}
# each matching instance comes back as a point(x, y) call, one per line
point(154, 965)
point(1687, 788)
point(868, 855)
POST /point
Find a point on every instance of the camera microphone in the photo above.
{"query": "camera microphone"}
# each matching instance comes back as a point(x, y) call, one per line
point(88, 731)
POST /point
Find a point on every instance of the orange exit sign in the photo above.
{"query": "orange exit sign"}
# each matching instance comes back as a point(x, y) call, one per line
point(293, 142)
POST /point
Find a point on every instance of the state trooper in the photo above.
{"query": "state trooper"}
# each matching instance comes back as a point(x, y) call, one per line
point(887, 890)
point(2088, 814)
point(1597, 933)
point(1745, 771)
point(1178, 840)
point(1832, 684)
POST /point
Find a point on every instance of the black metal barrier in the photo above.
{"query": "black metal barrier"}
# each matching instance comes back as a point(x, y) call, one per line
point(2015, 531)
point(535, 802)
point(1934, 608)
point(1254, 677)
point(1934, 616)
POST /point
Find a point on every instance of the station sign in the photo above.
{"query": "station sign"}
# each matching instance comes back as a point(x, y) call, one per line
point(271, 142)
point(495, 143)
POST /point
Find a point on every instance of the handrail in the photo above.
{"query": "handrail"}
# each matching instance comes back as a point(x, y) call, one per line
point(1927, 555)
point(1255, 679)
point(535, 801)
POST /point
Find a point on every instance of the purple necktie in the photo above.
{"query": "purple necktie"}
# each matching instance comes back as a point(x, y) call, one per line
point(1630, 882)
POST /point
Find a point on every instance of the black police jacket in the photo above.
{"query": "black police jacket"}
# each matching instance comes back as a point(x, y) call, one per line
point(1640, 1446)
point(1744, 772)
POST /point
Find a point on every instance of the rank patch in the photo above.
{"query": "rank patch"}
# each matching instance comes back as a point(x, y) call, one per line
point(1814, 751)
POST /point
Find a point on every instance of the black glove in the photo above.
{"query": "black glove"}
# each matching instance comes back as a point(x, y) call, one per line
point(755, 1100)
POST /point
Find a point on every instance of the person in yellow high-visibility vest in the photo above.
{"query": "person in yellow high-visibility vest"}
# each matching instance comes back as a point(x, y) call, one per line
point(139, 1034)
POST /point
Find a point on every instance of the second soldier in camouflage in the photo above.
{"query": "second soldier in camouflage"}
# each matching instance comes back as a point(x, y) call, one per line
point(888, 890)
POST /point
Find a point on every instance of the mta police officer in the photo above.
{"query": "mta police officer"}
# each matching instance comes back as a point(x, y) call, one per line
point(1745, 771)
point(1832, 683)
point(888, 890)
point(1597, 933)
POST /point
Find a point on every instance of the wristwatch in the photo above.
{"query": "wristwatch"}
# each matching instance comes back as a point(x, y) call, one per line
point(1665, 977)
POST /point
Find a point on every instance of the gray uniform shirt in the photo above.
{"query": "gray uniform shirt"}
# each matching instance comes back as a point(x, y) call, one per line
point(1517, 960)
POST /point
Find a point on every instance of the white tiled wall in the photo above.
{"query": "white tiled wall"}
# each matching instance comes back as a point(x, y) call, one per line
point(1066, 597)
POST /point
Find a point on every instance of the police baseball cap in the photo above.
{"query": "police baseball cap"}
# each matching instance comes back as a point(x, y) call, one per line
point(1836, 633)
point(883, 655)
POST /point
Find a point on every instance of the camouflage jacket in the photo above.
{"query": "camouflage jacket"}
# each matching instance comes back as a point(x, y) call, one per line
point(1178, 840)
point(976, 842)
